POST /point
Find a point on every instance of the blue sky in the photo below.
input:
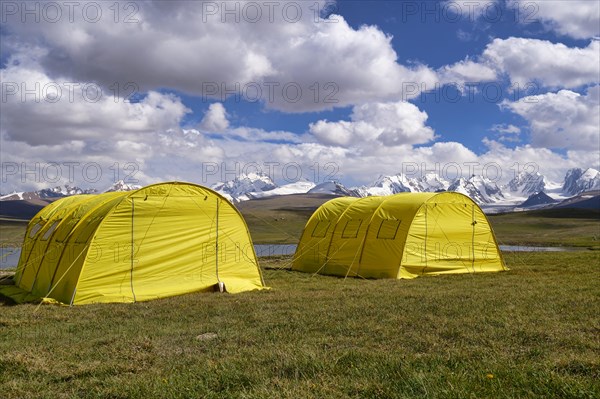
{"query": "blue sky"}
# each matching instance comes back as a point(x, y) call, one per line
point(392, 69)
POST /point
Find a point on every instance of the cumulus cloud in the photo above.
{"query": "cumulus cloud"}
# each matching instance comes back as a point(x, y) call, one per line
point(548, 64)
point(215, 120)
point(43, 111)
point(376, 124)
point(506, 128)
point(287, 57)
point(579, 19)
point(562, 120)
point(507, 132)
point(467, 71)
point(534, 159)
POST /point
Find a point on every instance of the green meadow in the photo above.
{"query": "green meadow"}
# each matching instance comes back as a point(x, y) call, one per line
point(529, 332)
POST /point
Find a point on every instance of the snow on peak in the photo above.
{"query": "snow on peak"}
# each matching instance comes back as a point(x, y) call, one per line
point(527, 183)
point(578, 181)
point(432, 182)
point(479, 188)
point(47, 193)
point(244, 184)
point(330, 187)
point(299, 187)
point(400, 183)
point(122, 186)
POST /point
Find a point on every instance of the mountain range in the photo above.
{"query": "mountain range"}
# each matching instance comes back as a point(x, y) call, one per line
point(481, 189)
point(65, 191)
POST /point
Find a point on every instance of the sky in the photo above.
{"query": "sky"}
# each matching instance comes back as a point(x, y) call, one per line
point(201, 91)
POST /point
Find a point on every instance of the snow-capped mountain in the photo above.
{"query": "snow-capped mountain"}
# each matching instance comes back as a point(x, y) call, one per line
point(331, 187)
point(258, 185)
point(47, 193)
point(299, 187)
point(432, 183)
point(482, 190)
point(400, 183)
point(386, 185)
point(244, 184)
point(479, 188)
point(578, 181)
point(122, 186)
point(525, 184)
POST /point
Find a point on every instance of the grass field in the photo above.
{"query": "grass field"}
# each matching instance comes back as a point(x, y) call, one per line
point(567, 228)
point(12, 232)
point(530, 332)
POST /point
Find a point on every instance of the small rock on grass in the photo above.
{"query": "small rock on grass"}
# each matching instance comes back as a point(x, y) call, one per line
point(206, 336)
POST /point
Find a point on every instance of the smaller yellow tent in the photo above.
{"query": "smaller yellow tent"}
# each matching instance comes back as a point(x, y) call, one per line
point(399, 236)
point(162, 240)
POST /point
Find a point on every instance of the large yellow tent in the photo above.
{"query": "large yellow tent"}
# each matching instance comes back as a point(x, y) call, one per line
point(399, 236)
point(162, 240)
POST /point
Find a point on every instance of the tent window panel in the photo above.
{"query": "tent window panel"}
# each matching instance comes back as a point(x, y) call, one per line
point(351, 228)
point(49, 232)
point(321, 228)
point(35, 229)
point(388, 229)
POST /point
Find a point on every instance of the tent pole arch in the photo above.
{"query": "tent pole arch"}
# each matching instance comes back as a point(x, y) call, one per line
point(43, 215)
point(303, 247)
point(217, 244)
point(67, 240)
point(364, 242)
point(132, 254)
point(49, 241)
point(348, 208)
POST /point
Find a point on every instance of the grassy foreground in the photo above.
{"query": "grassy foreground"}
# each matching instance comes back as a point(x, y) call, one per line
point(533, 331)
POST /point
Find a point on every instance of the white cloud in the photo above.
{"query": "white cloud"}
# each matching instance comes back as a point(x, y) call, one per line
point(579, 19)
point(376, 124)
point(553, 65)
point(215, 120)
point(467, 71)
point(507, 132)
point(530, 158)
point(506, 128)
point(43, 111)
point(562, 120)
point(194, 48)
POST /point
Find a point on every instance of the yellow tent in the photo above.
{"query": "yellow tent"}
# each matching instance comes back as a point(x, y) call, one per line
point(399, 236)
point(155, 242)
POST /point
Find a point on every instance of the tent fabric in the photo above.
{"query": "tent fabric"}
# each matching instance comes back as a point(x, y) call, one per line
point(158, 241)
point(399, 236)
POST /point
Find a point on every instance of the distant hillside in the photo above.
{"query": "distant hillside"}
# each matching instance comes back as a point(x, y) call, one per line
point(21, 209)
point(589, 200)
point(280, 219)
point(538, 199)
